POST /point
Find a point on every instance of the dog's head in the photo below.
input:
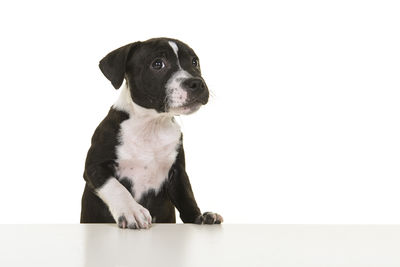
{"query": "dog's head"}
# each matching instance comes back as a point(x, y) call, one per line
point(162, 74)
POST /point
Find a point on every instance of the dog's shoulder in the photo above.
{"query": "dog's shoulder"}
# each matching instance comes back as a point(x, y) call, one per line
point(106, 137)
point(110, 126)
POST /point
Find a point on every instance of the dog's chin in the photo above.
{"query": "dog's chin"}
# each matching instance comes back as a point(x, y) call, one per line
point(185, 109)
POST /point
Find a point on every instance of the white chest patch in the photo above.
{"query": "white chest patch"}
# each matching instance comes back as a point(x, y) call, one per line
point(149, 143)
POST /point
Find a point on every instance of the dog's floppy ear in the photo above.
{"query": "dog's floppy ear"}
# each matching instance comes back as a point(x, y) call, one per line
point(114, 63)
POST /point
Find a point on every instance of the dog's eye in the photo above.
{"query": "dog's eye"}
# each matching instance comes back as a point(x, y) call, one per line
point(195, 62)
point(158, 64)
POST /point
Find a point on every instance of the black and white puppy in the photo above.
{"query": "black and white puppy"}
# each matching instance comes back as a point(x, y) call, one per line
point(135, 168)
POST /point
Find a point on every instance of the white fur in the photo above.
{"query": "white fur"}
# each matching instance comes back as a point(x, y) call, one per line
point(149, 142)
point(176, 94)
point(124, 101)
point(175, 49)
point(121, 203)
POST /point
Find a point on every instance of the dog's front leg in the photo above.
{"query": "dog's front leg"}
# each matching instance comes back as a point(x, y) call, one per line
point(181, 194)
point(122, 206)
point(125, 210)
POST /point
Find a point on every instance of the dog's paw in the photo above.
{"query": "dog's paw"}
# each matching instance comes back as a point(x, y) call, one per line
point(209, 218)
point(135, 218)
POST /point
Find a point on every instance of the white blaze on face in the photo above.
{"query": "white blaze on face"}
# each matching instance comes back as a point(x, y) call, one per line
point(175, 48)
point(176, 94)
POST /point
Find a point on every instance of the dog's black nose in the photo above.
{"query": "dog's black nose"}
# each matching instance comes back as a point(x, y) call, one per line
point(194, 84)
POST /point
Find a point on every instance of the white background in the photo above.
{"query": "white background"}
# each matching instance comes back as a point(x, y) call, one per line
point(303, 125)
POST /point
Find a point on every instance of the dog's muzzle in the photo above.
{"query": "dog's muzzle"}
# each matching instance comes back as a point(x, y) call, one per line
point(186, 94)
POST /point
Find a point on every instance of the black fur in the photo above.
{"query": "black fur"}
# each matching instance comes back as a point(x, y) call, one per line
point(100, 160)
point(113, 65)
point(175, 192)
point(131, 62)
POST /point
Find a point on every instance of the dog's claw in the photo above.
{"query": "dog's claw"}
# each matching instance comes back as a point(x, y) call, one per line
point(138, 218)
point(122, 222)
point(209, 218)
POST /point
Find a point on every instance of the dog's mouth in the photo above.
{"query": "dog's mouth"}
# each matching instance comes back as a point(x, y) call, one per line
point(193, 103)
point(190, 106)
point(187, 108)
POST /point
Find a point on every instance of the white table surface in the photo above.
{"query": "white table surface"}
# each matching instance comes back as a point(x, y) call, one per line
point(200, 245)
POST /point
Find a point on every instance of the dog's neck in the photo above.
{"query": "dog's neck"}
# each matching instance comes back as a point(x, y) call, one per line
point(125, 103)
